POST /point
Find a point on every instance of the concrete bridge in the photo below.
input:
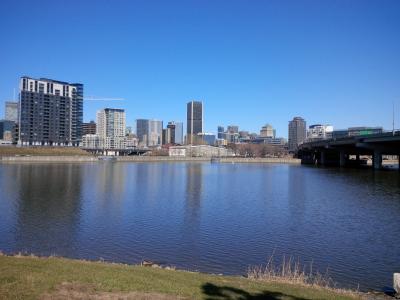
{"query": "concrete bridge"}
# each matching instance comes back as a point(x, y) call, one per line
point(338, 151)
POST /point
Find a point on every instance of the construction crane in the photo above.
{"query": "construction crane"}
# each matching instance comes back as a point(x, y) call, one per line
point(93, 98)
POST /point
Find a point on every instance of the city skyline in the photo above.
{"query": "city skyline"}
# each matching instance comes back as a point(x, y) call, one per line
point(246, 62)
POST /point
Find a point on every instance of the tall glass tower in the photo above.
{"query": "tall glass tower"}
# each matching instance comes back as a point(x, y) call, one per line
point(194, 120)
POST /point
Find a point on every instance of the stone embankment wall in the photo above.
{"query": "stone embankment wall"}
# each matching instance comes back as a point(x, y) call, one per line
point(261, 160)
point(69, 159)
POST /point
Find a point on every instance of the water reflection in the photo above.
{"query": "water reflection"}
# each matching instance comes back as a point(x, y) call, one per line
point(48, 208)
point(217, 218)
point(192, 211)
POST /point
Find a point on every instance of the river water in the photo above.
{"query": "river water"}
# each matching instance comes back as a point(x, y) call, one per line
point(216, 218)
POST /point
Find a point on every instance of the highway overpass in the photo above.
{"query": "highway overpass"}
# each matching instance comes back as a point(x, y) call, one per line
point(338, 151)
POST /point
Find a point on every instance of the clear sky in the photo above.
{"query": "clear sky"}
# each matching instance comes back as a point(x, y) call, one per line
point(251, 62)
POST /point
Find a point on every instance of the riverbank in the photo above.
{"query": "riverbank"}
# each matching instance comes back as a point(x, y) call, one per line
point(79, 158)
point(28, 277)
point(41, 151)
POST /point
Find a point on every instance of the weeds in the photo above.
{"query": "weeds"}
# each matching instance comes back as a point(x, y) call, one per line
point(291, 271)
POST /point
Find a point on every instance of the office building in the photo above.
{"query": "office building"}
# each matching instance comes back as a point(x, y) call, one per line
point(142, 129)
point(7, 130)
point(176, 132)
point(232, 129)
point(207, 138)
point(155, 133)
point(232, 137)
point(111, 126)
point(297, 133)
point(319, 132)
point(221, 132)
point(149, 132)
point(194, 120)
point(244, 135)
point(268, 141)
point(11, 111)
point(267, 131)
point(51, 112)
point(167, 136)
point(89, 128)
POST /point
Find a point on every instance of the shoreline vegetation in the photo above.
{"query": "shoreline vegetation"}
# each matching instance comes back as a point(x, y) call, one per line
point(32, 277)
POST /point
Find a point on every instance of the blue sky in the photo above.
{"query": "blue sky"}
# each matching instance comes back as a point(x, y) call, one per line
point(251, 62)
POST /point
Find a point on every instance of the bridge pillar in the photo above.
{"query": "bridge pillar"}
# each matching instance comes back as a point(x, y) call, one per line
point(323, 158)
point(342, 158)
point(377, 160)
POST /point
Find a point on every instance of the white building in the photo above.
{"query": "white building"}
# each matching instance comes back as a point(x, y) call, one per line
point(267, 131)
point(319, 132)
point(199, 151)
point(91, 141)
point(110, 130)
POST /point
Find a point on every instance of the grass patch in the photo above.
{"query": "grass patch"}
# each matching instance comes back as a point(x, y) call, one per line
point(59, 278)
point(42, 151)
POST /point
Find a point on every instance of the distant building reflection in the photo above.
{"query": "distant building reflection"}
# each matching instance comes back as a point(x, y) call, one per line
point(192, 211)
point(194, 189)
point(49, 208)
point(296, 190)
point(109, 180)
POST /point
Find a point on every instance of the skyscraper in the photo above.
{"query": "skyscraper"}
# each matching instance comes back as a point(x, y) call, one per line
point(221, 132)
point(51, 112)
point(297, 133)
point(110, 127)
point(11, 111)
point(176, 135)
point(149, 132)
point(155, 133)
point(194, 120)
point(179, 133)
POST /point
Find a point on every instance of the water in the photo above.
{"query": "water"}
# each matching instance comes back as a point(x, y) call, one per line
point(217, 218)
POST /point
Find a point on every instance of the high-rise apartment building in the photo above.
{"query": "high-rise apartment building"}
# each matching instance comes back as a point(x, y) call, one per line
point(11, 111)
point(194, 120)
point(89, 128)
point(51, 112)
point(111, 126)
point(149, 132)
point(297, 133)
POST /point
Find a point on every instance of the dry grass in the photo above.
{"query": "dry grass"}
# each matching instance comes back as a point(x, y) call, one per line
point(291, 271)
point(30, 277)
point(42, 151)
point(78, 291)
